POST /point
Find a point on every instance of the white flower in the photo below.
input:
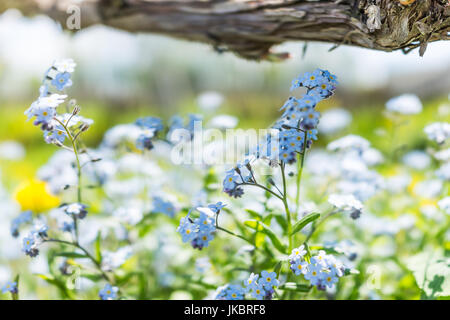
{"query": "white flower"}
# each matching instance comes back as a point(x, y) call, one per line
point(349, 142)
point(438, 131)
point(51, 101)
point(398, 183)
point(210, 100)
point(416, 159)
point(65, 65)
point(428, 188)
point(405, 104)
point(444, 205)
point(347, 203)
point(334, 120)
point(202, 264)
point(444, 172)
point(372, 157)
point(223, 121)
point(443, 155)
point(11, 150)
point(113, 260)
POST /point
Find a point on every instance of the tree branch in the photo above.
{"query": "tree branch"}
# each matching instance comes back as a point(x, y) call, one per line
point(250, 28)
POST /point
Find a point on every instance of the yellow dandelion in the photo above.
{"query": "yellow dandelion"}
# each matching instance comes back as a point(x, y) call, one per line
point(34, 195)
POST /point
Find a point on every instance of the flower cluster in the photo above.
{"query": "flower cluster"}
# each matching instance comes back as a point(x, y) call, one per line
point(241, 174)
point(292, 134)
point(261, 286)
point(44, 109)
point(298, 124)
point(322, 270)
point(438, 132)
point(75, 210)
point(229, 292)
point(163, 206)
point(150, 127)
point(31, 242)
point(347, 203)
point(200, 231)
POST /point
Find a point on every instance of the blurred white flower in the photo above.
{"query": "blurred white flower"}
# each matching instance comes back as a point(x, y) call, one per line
point(349, 142)
point(444, 172)
point(59, 172)
point(372, 157)
point(444, 205)
point(430, 211)
point(438, 131)
point(443, 155)
point(405, 104)
point(131, 212)
point(120, 134)
point(113, 260)
point(428, 188)
point(210, 100)
point(306, 208)
point(223, 121)
point(334, 120)
point(417, 159)
point(347, 203)
point(202, 264)
point(398, 183)
point(11, 150)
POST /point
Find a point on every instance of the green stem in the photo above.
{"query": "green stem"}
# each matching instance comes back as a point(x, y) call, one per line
point(263, 187)
point(286, 207)
point(76, 245)
point(234, 234)
point(77, 158)
point(300, 164)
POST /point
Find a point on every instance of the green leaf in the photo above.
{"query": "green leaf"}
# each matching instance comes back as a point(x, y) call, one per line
point(57, 283)
point(304, 222)
point(92, 277)
point(98, 252)
point(292, 286)
point(254, 214)
point(73, 255)
point(281, 220)
point(432, 274)
point(261, 227)
point(277, 268)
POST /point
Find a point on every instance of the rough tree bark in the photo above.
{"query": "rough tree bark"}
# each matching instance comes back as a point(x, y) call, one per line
point(250, 28)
